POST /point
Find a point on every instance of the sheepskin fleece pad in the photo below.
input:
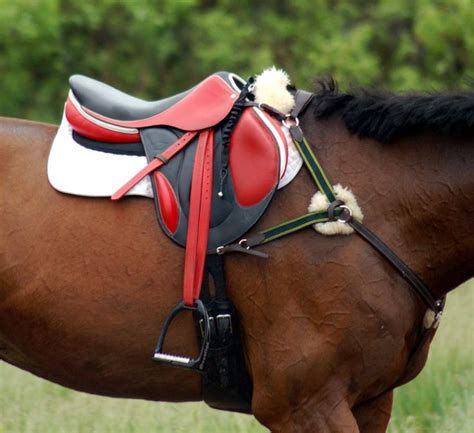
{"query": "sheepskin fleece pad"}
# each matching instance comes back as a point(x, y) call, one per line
point(320, 203)
point(271, 88)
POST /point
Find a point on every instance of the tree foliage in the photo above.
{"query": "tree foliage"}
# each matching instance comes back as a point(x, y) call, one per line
point(153, 48)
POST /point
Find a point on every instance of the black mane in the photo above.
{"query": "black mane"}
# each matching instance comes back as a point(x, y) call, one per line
point(386, 117)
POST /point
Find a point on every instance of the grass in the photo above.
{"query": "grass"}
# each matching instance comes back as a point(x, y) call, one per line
point(440, 400)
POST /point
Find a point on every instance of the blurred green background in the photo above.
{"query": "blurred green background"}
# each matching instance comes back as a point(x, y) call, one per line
point(154, 48)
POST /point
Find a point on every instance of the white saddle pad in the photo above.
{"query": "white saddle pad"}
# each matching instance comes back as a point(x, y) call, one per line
point(75, 169)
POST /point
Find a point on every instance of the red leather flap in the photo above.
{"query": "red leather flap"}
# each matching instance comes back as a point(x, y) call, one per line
point(254, 159)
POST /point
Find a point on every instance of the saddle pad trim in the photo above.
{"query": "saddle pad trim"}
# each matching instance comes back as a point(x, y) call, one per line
point(277, 129)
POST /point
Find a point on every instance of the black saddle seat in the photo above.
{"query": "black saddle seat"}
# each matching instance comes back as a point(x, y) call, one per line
point(115, 104)
point(108, 101)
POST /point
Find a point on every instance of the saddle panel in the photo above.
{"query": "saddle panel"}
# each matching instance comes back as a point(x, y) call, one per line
point(100, 112)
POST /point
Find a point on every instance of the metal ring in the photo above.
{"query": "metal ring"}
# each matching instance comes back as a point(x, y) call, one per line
point(243, 244)
point(348, 214)
point(295, 120)
point(220, 250)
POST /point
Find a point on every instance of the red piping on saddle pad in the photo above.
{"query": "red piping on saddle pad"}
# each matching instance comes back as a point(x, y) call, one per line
point(278, 128)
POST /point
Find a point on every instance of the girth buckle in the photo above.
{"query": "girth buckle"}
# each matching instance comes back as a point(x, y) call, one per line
point(224, 323)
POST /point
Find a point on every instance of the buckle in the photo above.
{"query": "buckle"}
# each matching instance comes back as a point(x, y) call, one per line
point(179, 360)
point(432, 318)
point(221, 318)
point(211, 325)
point(223, 324)
point(291, 122)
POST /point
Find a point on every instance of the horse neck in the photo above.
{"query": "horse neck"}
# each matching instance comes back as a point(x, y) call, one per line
point(417, 195)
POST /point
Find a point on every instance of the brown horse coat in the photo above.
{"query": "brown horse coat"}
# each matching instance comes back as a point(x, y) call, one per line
point(85, 284)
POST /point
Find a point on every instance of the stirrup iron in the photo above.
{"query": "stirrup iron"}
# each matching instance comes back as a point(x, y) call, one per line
point(185, 361)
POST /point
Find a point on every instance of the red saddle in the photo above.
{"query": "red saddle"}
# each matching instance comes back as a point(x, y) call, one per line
point(211, 185)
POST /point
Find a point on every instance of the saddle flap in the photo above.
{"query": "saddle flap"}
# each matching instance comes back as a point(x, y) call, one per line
point(254, 173)
point(254, 159)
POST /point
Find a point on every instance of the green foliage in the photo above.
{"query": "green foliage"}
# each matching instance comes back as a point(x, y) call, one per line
point(153, 48)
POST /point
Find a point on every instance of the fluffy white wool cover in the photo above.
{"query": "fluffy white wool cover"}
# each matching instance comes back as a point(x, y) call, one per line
point(320, 203)
point(270, 89)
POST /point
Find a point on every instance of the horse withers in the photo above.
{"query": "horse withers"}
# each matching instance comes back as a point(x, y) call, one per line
point(328, 325)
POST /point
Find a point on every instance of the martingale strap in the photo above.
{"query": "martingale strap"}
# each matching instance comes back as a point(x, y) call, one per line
point(403, 269)
point(337, 211)
point(315, 168)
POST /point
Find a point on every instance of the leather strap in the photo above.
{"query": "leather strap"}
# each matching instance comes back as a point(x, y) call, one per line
point(413, 279)
point(302, 100)
point(199, 217)
point(159, 160)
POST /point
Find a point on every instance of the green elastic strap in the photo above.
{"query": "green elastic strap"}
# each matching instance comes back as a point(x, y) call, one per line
point(315, 169)
point(295, 224)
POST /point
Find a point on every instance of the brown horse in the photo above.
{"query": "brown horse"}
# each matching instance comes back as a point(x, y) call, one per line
point(328, 325)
